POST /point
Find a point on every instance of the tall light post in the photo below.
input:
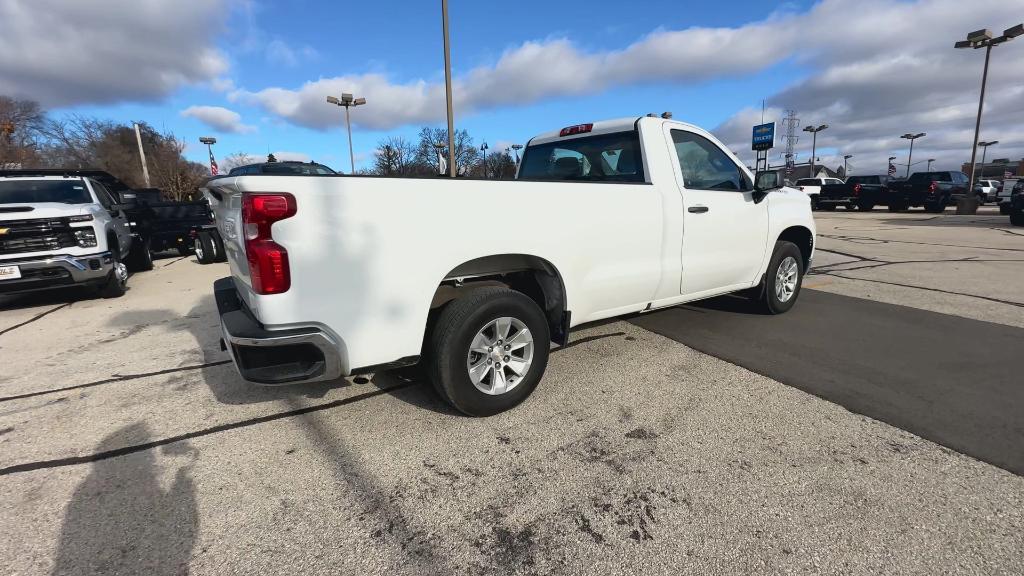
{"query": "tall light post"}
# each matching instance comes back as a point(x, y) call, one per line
point(968, 204)
point(483, 148)
point(348, 101)
point(846, 168)
point(911, 137)
point(930, 160)
point(439, 147)
point(984, 152)
point(448, 88)
point(209, 148)
point(814, 142)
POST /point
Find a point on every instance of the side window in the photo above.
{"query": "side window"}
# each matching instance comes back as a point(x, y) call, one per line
point(102, 195)
point(704, 165)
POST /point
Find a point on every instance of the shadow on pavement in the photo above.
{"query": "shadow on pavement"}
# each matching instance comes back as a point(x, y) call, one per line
point(121, 519)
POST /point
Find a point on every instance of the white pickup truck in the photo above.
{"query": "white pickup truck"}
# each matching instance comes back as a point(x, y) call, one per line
point(339, 275)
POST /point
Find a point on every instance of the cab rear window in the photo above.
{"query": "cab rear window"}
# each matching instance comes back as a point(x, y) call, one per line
point(603, 158)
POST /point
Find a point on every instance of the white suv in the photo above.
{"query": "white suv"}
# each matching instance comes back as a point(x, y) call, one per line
point(58, 231)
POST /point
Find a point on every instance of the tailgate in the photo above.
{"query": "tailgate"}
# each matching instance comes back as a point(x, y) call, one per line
point(226, 203)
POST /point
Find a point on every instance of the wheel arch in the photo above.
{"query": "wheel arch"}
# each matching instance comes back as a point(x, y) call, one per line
point(534, 276)
point(804, 240)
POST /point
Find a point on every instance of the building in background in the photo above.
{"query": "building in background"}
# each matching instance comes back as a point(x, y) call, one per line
point(996, 170)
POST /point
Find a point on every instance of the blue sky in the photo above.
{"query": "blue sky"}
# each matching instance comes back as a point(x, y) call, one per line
point(255, 73)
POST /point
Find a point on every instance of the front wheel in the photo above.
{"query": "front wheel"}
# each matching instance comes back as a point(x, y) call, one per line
point(117, 280)
point(488, 350)
point(783, 279)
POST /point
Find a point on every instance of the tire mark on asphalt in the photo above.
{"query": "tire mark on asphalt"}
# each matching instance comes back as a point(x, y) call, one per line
point(124, 451)
point(862, 239)
point(34, 318)
point(175, 261)
point(1011, 232)
point(115, 378)
point(925, 288)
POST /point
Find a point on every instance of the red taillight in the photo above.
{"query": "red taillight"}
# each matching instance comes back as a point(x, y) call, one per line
point(933, 187)
point(268, 260)
point(856, 189)
point(578, 129)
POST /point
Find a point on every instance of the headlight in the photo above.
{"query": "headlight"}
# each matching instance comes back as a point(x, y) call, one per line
point(85, 237)
point(82, 218)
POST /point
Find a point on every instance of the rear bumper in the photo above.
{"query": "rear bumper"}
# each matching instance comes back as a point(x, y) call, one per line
point(272, 357)
point(42, 273)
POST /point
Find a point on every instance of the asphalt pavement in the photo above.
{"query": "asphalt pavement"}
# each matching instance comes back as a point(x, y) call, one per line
point(945, 378)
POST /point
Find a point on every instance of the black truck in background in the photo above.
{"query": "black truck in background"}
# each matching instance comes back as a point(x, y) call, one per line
point(860, 192)
point(932, 190)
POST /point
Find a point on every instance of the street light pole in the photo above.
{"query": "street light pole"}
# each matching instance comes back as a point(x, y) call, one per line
point(984, 152)
point(846, 169)
point(448, 88)
point(814, 143)
point(483, 148)
point(968, 204)
point(910, 157)
point(347, 101)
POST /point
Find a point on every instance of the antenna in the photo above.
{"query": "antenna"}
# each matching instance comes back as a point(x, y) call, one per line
point(791, 124)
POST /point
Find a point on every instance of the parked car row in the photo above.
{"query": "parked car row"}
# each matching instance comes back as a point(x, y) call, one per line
point(86, 228)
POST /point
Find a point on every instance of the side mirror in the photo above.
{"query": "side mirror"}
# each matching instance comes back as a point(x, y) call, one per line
point(765, 182)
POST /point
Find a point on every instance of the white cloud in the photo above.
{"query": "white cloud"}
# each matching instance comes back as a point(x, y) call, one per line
point(62, 52)
point(218, 118)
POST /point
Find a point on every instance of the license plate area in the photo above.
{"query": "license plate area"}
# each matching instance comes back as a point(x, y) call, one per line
point(10, 273)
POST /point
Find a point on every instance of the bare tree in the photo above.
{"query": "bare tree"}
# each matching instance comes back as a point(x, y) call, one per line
point(395, 156)
point(237, 159)
point(21, 122)
point(466, 154)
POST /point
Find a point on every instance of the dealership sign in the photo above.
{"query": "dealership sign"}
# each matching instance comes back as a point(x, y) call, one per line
point(764, 137)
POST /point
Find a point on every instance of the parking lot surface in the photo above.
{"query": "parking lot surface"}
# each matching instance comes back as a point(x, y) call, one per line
point(130, 446)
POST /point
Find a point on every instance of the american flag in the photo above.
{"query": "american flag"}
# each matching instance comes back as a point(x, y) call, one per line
point(892, 169)
point(213, 164)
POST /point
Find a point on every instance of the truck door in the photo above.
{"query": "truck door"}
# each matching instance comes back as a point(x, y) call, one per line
point(725, 233)
point(120, 224)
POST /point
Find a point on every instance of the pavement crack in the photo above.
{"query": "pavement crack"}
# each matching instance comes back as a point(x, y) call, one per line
point(114, 378)
point(925, 288)
point(34, 318)
point(868, 239)
point(125, 450)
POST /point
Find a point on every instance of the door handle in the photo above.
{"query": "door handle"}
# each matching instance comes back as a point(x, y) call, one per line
point(697, 209)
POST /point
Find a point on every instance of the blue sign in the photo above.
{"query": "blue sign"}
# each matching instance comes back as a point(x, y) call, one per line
point(764, 137)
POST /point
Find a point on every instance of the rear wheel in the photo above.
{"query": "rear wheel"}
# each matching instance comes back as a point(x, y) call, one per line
point(203, 245)
point(783, 279)
point(488, 351)
point(140, 259)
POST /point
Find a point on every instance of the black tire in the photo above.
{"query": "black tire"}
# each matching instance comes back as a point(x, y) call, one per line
point(866, 206)
point(140, 259)
point(451, 337)
point(116, 284)
point(770, 301)
point(935, 207)
point(220, 255)
point(1017, 218)
point(204, 248)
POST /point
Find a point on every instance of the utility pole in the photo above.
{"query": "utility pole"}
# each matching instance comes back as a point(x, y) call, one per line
point(448, 88)
point(142, 155)
point(968, 204)
point(347, 101)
